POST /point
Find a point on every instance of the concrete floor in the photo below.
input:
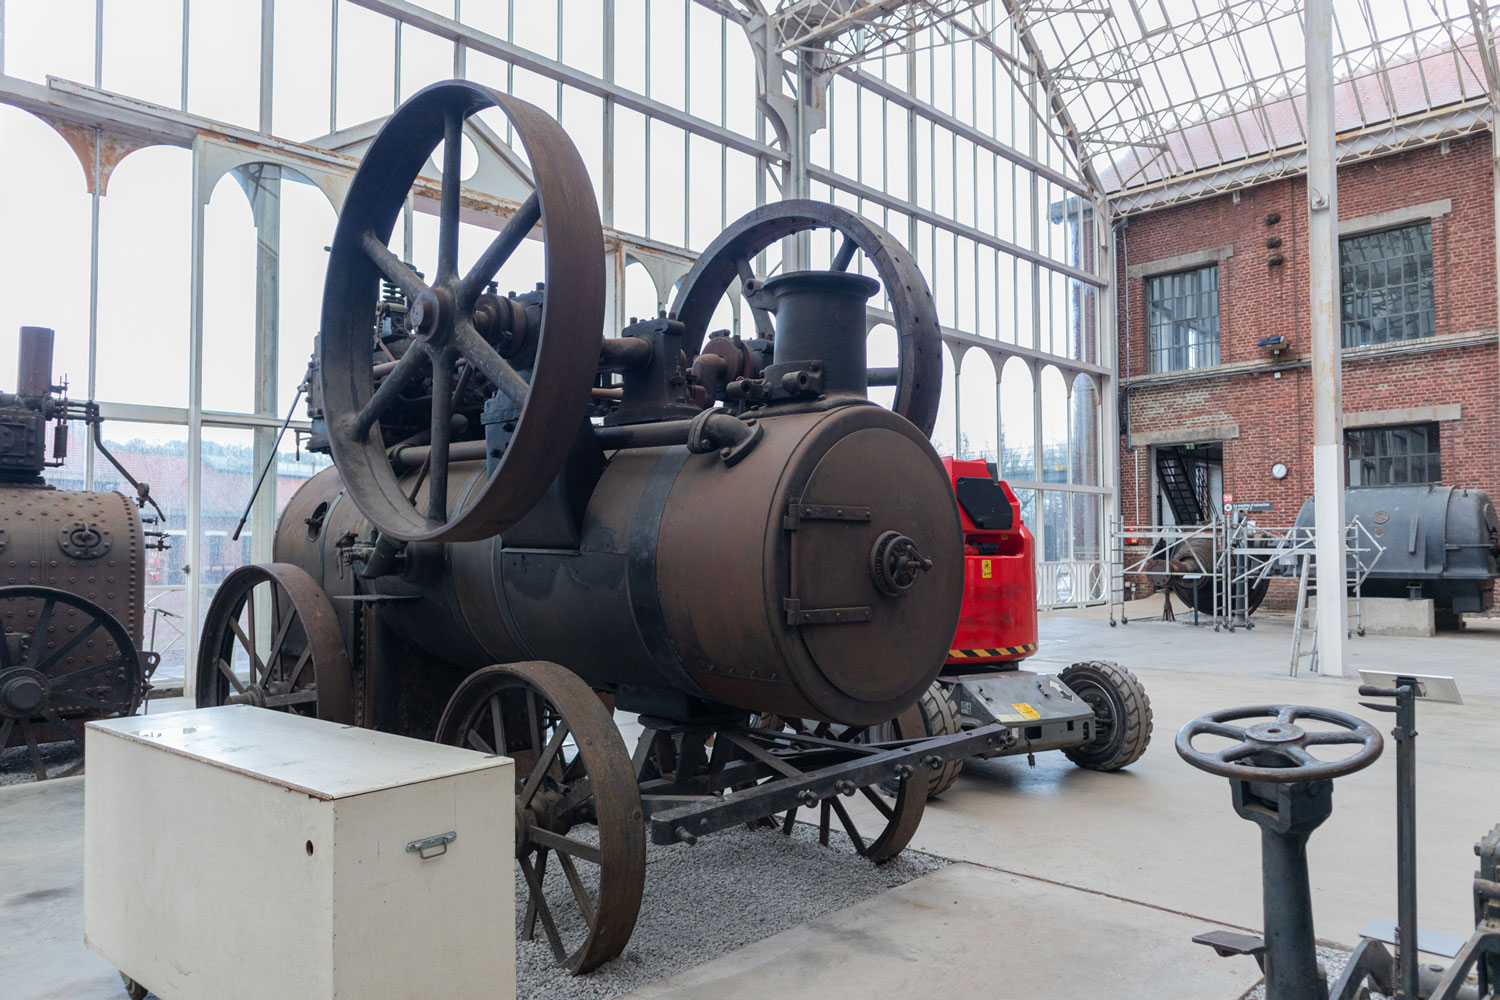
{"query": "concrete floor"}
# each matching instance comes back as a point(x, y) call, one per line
point(1071, 882)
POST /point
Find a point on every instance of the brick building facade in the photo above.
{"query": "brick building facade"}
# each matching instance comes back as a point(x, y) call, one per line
point(1250, 404)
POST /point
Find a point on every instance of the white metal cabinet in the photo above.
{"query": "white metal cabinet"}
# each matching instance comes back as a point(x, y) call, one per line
point(237, 853)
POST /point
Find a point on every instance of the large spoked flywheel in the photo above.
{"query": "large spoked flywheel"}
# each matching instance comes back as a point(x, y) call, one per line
point(731, 257)
point(462, 337)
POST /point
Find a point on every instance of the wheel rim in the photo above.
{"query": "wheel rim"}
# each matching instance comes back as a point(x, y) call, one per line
point(898, 805)
point(728, 257)
point(62, 658)
point(271, 639)
point(1107, 708)
point(455, 323)
point(572, 772)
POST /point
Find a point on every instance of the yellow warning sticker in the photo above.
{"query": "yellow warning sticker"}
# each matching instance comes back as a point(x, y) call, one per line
point(1026, 710)
point(986, 569)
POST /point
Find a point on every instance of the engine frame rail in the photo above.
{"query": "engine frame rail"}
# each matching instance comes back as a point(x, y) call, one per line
point(715, 805)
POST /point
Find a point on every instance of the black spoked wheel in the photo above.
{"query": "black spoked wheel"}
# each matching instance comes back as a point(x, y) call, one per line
point(271, 639)
point(1122, 715)
point(461, 334)
point(895, 806)
point(919, 372)
point(580, 831)
point(63, 661)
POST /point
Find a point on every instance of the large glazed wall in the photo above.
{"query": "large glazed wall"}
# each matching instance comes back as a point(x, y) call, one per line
point(1263, 415)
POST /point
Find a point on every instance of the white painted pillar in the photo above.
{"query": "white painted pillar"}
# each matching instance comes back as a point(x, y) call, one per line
point(193, 542)
point(1324, 340)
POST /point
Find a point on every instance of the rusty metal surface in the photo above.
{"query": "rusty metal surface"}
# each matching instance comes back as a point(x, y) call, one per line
point(728, 257)
point(277, 620)
point(566, 348)
point(527, 711)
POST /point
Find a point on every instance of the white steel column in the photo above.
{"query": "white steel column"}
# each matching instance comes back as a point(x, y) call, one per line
point(193, 542)
point(1327, 376)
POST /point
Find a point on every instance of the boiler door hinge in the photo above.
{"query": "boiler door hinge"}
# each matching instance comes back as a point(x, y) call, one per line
point(795, 615)
point(796, 512)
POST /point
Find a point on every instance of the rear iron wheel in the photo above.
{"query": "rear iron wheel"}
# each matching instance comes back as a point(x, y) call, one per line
point(63, 660)
point(577, 803)
point(897, 804)
point(271, 639)
point(1122, 715)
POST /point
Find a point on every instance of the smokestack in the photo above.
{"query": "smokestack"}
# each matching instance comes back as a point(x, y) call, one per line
point(34, 367)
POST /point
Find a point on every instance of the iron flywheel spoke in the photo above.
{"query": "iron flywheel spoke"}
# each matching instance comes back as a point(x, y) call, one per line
point(499, 251)
point(488, 360)
point(396, 271)
point(453, 150)
point(408, 368)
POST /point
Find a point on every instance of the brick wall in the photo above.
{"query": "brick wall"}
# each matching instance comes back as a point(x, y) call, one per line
point(1273, 410)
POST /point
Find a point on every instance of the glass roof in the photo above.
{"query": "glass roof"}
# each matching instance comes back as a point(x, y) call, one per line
point(1162, 90)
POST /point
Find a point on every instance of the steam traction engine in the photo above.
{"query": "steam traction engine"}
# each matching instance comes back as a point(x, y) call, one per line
point(72, 577)
point(527, 522)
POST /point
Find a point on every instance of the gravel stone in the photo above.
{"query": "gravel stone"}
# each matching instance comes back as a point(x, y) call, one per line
point(728, 890)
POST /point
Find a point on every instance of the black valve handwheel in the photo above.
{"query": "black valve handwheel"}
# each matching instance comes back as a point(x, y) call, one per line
point(1279, 737)
point(442, 316)
point(730, 256)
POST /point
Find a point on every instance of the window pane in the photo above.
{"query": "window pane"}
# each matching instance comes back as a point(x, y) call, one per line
point(1382, 456)
point(1386, 285)
point(1183, 319)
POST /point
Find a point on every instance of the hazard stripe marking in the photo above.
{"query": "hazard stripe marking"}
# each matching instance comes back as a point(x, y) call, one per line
point(988, 653)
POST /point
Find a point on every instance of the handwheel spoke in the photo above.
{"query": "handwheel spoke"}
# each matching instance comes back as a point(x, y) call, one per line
point(453, 149)
point(849, 827)
point(1296, 753)
point(499, 251)
point(39, 633)
point(1237, 751)
point(1225, 730)
point(1332, 738)
point(1288, 713)
point(396, 271)
point(442, 434)
point(409, 367)
point(488, 360)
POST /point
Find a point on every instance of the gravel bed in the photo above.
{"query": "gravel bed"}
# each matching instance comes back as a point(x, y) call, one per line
point(60, 759)
point(728, 890)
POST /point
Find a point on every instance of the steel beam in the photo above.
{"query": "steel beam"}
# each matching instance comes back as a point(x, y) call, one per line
point(1327, 373)
point(479, 41)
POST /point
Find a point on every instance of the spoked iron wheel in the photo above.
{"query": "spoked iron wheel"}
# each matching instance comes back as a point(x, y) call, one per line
point(896, 804)
point(730, 257)
point(580, 832)
point(271, 639)
point(461, 335)
point(63, 660)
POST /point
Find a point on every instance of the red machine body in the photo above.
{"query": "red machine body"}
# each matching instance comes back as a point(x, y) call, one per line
point(997, 623)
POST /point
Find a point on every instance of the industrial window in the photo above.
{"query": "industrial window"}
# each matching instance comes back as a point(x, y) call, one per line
point(1386, 285)
point(1184, 319)
point(1385, 456)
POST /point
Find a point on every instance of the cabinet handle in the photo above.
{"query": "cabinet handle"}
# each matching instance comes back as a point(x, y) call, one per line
point(432, 847)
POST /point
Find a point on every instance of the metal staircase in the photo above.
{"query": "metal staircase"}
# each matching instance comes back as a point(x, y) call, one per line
point(1175, 477)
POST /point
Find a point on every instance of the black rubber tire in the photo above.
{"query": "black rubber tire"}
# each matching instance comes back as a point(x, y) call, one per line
point(1122, 715)
point(940, 718)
